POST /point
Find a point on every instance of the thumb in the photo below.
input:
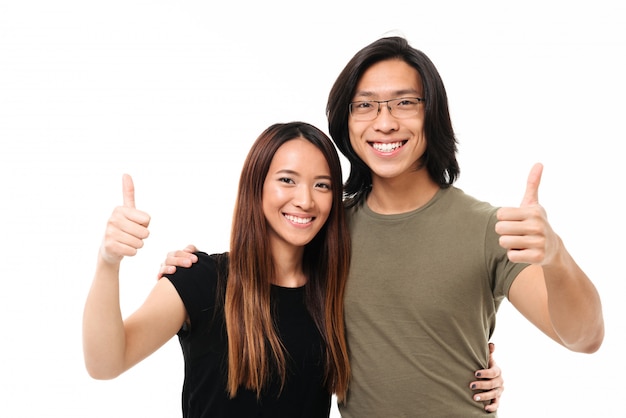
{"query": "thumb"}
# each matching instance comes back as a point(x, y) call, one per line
point(531, 196)
point(128, 189)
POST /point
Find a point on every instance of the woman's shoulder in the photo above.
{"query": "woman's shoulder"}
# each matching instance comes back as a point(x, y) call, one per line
point(201, 281)
point(214, 263)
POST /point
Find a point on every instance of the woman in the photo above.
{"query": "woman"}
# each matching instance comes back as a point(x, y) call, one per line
point(419, 306)
point(261, 327)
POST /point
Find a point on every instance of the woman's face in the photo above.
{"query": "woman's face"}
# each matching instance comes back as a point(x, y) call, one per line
point(297, 194)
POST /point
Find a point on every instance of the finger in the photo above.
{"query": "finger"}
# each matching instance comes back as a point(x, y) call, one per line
point(165, 270)
point(488, 383)
point(492, 372)
point(180, 259)
point(493, 406)
point(128, 190)
point(191, 249)
point(125, 230)
point(118, 244)
point(174, 257)
point(122, 248)
point(531, 196)
point(489, 395)
point(529, 255)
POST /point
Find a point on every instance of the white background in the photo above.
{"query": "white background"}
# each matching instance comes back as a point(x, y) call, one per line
point(174, 93)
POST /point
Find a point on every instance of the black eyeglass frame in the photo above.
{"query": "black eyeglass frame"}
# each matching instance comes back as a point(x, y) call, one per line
point(419, 100)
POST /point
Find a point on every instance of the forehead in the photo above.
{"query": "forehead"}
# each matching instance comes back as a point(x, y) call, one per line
point(298, 154)
point(389, 78)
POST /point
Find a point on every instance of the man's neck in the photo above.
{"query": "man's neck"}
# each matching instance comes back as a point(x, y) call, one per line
point(401, 194)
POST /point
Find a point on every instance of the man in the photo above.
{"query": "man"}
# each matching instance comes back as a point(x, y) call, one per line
point(431, 265)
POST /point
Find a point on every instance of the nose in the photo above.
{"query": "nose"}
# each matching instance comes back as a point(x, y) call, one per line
point(385, 121)
point(303, 198)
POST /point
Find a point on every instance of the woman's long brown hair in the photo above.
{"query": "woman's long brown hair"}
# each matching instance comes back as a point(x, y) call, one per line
point(254, 347)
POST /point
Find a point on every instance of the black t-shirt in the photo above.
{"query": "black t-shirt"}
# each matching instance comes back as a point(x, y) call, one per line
point(204, 345)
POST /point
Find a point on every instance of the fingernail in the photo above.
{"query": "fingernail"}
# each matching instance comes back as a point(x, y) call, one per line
point(477, 374)
point(474, 386)
point(477, 398)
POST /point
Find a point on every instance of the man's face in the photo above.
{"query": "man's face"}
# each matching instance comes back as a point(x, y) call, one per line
point(389, 145)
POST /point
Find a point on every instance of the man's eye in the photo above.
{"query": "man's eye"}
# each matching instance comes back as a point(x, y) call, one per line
point(364, 105)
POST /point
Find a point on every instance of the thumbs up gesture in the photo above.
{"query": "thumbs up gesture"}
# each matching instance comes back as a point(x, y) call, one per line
point(126, 229)
point(524, 231)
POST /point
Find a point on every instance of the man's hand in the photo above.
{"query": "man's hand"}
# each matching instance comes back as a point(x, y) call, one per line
point(181, 258)
point(524, 231)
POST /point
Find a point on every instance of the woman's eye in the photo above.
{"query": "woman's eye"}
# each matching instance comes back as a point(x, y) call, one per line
point(285, 180)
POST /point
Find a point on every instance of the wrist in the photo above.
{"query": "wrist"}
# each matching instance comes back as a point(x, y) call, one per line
point(107, 261)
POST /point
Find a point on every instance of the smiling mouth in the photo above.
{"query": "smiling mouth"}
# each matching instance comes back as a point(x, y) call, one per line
point(387, 146)
point(298, 220)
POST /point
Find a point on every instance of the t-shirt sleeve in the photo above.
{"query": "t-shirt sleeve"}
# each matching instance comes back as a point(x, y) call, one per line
point(197, 286)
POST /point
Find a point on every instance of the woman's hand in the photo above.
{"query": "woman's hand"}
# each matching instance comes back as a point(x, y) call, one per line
point(489, 385)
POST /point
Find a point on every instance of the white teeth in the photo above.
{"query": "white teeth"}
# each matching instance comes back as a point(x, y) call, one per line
point(386, 147)
point(298, 220)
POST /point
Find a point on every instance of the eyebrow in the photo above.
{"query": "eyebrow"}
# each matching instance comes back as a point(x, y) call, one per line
point(295, 173)
point(398, 93)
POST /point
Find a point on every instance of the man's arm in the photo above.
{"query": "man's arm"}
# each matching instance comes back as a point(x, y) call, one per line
point(553, 292)
point(488, 386)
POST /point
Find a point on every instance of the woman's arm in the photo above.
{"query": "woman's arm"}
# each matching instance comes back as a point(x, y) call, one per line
point(490, 384)
point(112, 345)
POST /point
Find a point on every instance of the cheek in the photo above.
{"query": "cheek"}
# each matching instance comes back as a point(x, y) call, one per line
point(325, 207)
point(273, 192)
point(418, 128)
point(271, 198)
point(356, 144)
point(353, 132)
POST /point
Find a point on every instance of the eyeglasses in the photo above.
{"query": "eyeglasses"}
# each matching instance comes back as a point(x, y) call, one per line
point(401, 108)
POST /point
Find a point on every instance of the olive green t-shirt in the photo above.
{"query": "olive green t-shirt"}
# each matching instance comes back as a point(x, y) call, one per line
point(421, 302)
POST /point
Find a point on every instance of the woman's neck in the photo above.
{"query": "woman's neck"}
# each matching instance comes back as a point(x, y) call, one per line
point(288, 267)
